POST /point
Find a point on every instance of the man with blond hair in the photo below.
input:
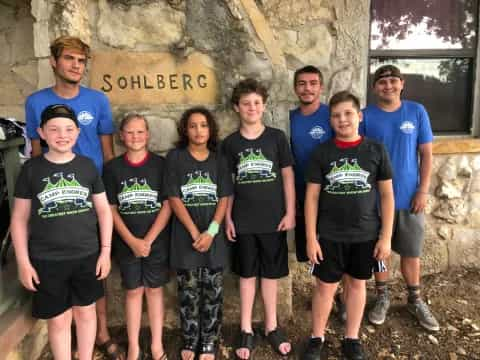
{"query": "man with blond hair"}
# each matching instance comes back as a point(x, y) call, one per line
point(69, 56)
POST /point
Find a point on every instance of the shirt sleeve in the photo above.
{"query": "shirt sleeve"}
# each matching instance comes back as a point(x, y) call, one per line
point(162, 194)
point(227, 153)
point(385, 171)
point(362, 127)
point(224, 183)
point(23, 188)
point(285, 155)
point(109, 182)
point(290, 117)
point(97, 183)
point(314, 169)
point(31, 120)
point(105, 121)
point(425, 134)
point(172, 185)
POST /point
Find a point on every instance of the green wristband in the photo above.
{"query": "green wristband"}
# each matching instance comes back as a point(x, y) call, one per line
point(213, 229)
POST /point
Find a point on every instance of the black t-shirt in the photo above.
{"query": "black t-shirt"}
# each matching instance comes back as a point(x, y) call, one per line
point(63, 221)
point(259, 203)
point(138, 192)
point(347, 209)
point(199, 184)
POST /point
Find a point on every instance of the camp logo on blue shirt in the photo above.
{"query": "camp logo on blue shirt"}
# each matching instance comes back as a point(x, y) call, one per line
point(84, 117)
point(316, 132)
point(306, 132)
point(407, 127)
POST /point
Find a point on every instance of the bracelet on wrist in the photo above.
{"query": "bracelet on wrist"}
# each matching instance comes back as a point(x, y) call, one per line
point(213, 228)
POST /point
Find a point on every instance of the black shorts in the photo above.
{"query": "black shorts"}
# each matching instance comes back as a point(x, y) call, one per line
point(262, 255)
point(300, 236)
point(354, 259)
point(63, 284)
point(151, 271)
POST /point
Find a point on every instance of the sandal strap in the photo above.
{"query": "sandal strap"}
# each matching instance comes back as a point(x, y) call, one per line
point(110, 354)
point(189, 346)
point(208, 348)
point(247, 341)
point(276, 338)
point(105, 345)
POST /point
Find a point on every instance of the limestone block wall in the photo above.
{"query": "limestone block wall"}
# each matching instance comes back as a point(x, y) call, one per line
point(454, 212)
point(18, 73)
point(263, 39)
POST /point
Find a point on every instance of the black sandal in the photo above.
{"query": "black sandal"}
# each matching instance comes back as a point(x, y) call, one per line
point(111, 350)
point(189, 347)
point(246, 341)
point(275, 338)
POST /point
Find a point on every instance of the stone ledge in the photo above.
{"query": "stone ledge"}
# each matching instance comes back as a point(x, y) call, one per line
point(456, 146)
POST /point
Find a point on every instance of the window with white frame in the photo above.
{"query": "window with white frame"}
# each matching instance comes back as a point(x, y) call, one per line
point(434, 43)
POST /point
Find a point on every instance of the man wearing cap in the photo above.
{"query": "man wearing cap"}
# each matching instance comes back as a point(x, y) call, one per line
point(309, 126)
point(404, 127)
point(68, 59)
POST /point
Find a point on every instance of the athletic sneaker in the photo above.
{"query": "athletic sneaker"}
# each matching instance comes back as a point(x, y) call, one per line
point(352, 349)
point(313, 350)
point(420, 310)
point(341, 308)
point(379, 311)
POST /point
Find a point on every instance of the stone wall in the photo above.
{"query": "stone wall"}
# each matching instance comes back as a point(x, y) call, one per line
point(262, 39)
point(18, 73)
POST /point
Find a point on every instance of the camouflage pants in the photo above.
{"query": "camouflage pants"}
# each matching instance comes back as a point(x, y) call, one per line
point(200, 293)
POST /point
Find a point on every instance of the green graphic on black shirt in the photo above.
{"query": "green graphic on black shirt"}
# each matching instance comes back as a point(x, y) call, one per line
point(349, 178)
point(137, 198)
point(254, 168)
point(199, 190)
point(66, 196)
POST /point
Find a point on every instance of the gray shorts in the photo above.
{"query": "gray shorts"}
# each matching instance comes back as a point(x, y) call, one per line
point(408, 233)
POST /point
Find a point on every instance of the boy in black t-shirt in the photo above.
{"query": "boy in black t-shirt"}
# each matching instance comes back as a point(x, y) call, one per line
point(58, 197)
point(344, 233)
point(260, 212)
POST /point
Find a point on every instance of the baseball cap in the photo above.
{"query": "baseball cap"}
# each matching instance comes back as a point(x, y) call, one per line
point(387, 71)
point(57, 111)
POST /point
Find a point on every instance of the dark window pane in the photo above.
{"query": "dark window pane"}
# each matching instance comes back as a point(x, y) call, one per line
point(423, 24)
point(443, 86)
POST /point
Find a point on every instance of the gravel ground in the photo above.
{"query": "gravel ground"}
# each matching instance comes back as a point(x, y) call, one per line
point(454, 298)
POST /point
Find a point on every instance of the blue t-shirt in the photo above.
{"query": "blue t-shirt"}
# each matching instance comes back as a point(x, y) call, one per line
point(306, 132)
point(402, 131)
point(93, 113)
